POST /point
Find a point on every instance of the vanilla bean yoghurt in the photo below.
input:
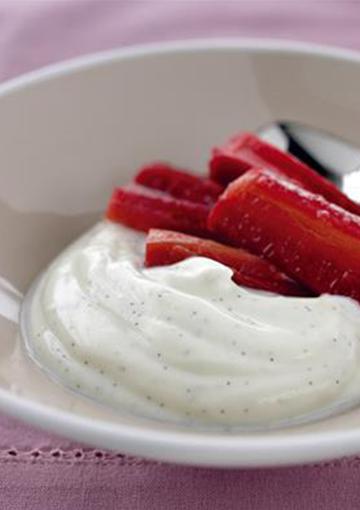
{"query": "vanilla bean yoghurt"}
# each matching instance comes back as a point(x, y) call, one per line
point(184, 342)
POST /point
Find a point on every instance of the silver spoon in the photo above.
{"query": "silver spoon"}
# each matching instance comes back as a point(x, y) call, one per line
point(335, 159)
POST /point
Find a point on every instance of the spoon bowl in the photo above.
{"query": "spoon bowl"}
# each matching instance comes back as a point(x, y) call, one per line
point(334, 158)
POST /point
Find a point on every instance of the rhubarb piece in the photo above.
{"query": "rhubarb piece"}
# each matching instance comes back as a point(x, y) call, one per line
point(179, 183)
point(165, 247)
point(248, 151)
point(310, 239)
point(143, 208)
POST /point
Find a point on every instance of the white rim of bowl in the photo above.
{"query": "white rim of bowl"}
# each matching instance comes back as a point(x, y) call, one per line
point(184, 447)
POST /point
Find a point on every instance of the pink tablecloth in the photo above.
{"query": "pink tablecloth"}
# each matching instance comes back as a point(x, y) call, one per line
point(39, 471)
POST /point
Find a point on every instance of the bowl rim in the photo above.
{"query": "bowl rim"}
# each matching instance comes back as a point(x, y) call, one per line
point(250, 45)
point(167, 445)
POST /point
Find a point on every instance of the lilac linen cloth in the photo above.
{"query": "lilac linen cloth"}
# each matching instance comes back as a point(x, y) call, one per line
point(39, 471)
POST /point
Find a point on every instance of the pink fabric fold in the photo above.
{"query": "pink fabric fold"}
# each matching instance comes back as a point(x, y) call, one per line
point(41, 471)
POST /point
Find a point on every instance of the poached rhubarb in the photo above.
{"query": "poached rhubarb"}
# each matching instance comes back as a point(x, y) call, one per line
point(165, 247)
point(310, 239)
point(179, 183)
point(247, 151)
point(142, 208)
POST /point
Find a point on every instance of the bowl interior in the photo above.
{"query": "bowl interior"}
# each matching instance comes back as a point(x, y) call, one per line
point(70, 134)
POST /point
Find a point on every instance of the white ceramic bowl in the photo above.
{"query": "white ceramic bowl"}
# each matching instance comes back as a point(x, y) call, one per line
point(72, 131)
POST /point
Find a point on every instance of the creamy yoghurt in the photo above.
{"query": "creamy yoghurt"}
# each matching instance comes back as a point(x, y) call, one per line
point(184, 343)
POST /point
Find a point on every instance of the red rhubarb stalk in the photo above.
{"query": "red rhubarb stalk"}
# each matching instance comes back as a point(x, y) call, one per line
point(179, 183)
point(165, 247)
point(248, 151)
point(310, 239)
point(143, 208)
